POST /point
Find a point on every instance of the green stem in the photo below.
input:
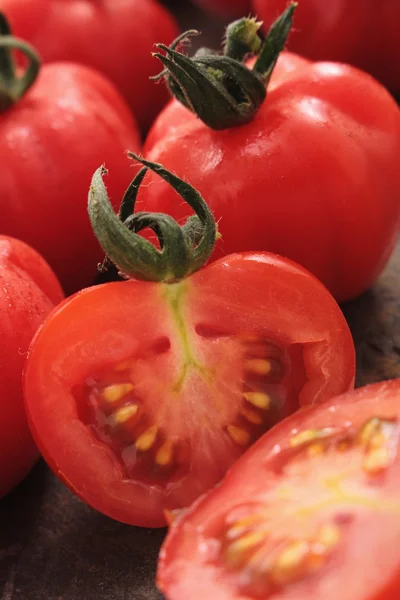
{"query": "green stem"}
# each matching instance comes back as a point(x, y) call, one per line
point(12, 86)
point(183, 249)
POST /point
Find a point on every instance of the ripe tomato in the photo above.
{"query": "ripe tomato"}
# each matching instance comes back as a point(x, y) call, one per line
point(311, 511)
point(28, 291)
point(115, 37)
point(52, 139)
point(225, 8)
point(141, 394)
point(314, 176)
point(360, 32)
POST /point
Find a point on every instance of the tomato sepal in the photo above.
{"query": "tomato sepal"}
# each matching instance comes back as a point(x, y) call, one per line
point(221, 90)
point(183, 249)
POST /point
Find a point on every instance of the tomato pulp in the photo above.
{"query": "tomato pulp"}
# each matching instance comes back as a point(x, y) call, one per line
point(310, 511)
point(28, 292)
point(141, 394)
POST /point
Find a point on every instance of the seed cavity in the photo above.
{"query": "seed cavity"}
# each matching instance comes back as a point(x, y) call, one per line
point(252, 416)
point(115, 392)
point(291, 563)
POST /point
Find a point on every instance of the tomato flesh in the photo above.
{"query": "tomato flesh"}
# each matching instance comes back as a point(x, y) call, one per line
point(141, 395)
point(311, 509)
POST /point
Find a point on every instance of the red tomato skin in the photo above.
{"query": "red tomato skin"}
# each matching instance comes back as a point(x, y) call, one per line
point(182, 568)
point(28, 291)
point(225, 8)
point(360, 32)
point(70, 122)
point(115, 37)
point(98, 324)
point(314, 177)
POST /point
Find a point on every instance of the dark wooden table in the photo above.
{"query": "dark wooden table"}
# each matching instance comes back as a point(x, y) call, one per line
point(53, 547)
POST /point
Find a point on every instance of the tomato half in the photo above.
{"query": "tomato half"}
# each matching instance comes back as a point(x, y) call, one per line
point(115, 37)
point(310, 511)
point(28, 292)
point(140, 395)
point(313, 177)
point(359, 32)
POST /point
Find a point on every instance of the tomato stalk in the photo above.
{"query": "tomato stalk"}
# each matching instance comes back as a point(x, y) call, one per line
point(183, 249)
point(14, 86)
point(221, 90)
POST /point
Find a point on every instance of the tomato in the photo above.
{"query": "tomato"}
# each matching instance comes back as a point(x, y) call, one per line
point(70, 121)
point(313, 176)
point(115, 37)
point(225, 8)
point(310, 511)
point(141, 393)
point(28, 292)
point(360, 32)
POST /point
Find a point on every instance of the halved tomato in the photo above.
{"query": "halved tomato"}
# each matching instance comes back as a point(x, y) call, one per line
point(311, 511)
point(141, 394)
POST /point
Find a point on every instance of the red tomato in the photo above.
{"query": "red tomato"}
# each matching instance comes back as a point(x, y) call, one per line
point(116, 37)
point(314, 176)
point(141, 394)
point(68, 123)
point(225, 8)
point(28, 291)
point(360, 32)
point(311, 511)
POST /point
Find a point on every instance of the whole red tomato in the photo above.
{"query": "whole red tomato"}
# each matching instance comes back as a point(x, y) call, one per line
point(312, 172)
point(116, 37)
point(360, 32)
point(51, 140)
point(141, 394)
point(225, 8)
point(28, 292)
point(310, 511)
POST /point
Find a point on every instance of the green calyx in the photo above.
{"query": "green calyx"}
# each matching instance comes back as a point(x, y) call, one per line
point(221, 90)
point(183, 249)
point(14, 86)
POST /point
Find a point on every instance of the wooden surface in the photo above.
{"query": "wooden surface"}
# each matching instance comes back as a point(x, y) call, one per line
point(53, 547)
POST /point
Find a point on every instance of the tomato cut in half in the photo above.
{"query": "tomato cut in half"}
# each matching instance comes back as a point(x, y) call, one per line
point(310, 511)
point(140, 395)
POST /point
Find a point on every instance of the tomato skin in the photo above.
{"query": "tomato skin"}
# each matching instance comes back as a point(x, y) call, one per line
point(97, 327)
point(313, 177)
point(225, 8)
point(71, 121)
point(78, 32)
point(188, 567)
point(28, 292)
point(359, 32)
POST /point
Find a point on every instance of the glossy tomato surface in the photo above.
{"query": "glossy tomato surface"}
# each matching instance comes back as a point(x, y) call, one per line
point(28, 292)
point(314, 176)
point(115, 37)
point(359, 32)
point(72, 120)
point(310, 511)
point(225, 8)
point(141, 395)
